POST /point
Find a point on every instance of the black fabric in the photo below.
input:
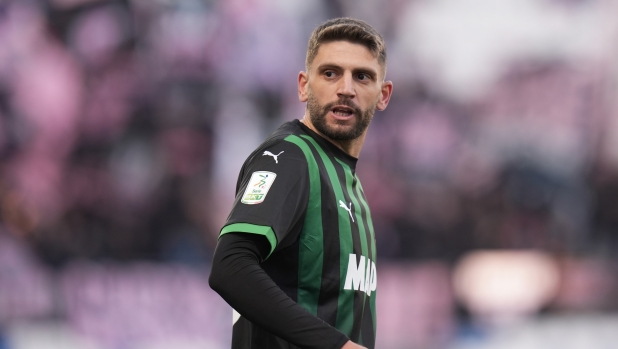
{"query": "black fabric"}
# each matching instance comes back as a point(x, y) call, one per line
point(274, 292)
point(286, 200)
point(238, 277)
point(336, 151)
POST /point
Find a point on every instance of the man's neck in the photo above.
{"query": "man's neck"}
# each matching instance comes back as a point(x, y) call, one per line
point(352, 147)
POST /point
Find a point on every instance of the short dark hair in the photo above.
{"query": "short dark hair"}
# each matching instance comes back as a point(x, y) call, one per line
point(346, 29)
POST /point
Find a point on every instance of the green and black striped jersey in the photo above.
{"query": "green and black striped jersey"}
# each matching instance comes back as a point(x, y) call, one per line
point(301, 192)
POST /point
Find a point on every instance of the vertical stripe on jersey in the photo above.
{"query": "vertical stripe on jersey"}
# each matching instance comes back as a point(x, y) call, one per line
point(358, 248)
point(346, 304)
point(361, 195)
point(362, 301)
point(310, 269)
point(328, 301)
point(351, 180)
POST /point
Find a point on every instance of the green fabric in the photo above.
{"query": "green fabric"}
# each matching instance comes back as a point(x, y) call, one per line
point(312, 237)
point(349, 179)
point(345, 322)
point(374, 296)
point(252, 229)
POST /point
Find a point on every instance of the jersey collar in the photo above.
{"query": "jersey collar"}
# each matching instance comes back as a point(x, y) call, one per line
point(325, 144)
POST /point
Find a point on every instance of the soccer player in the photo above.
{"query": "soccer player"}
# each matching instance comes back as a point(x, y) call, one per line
point(296, 257)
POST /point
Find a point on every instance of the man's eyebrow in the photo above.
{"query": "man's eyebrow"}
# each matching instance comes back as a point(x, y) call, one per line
point(325, 66)
point(369, 71)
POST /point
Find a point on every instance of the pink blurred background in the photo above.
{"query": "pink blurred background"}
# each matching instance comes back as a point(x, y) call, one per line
point(492, 176)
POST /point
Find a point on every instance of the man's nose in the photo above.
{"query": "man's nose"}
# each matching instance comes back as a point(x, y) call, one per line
point(346, 86)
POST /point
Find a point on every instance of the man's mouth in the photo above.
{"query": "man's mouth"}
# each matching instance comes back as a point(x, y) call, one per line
point(343, 111)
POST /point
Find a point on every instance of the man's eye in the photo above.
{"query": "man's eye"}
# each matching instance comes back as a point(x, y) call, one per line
point(329, 74)
point(363, 77)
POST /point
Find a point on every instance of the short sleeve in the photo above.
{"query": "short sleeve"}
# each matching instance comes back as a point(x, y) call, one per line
point(273, 194)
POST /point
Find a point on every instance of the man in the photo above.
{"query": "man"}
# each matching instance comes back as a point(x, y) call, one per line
point(296, 257)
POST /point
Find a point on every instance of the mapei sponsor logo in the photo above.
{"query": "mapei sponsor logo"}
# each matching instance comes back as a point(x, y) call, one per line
point(361, 276)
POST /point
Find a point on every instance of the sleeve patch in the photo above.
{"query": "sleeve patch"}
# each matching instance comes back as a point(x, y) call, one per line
point(258, 187)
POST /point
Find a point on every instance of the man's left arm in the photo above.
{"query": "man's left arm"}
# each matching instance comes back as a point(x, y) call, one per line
point(238, 277)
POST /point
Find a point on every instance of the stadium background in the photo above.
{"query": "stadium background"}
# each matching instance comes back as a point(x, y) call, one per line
point(492, 175)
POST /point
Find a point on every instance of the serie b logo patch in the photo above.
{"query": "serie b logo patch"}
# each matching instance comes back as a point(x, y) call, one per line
point(258, 187)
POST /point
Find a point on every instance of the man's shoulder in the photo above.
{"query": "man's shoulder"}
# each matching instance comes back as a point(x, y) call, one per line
point(279, 141)
point(286, 131)
point(281, 138)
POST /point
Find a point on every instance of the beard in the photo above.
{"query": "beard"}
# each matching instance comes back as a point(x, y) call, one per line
point(340, 131)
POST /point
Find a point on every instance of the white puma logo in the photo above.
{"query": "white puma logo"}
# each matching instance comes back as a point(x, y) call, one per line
point(273, 155)
point(342, 204)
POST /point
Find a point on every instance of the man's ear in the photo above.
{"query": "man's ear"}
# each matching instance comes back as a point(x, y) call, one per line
point(385, 95)
point(303, 79)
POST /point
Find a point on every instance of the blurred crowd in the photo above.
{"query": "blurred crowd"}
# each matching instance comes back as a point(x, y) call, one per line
point(123, 124)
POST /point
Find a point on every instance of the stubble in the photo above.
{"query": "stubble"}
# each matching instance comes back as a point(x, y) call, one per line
point(341, 131)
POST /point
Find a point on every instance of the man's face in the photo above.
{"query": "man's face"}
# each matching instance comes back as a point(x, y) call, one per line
point(343, 88)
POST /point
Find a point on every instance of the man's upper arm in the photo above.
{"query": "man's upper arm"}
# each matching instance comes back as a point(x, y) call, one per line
point(273, 195)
